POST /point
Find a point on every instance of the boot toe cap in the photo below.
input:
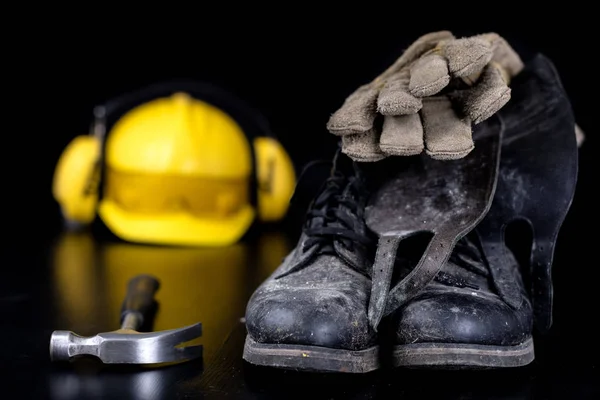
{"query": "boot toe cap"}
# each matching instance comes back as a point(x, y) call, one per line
point(325, 318)
point(463, 317)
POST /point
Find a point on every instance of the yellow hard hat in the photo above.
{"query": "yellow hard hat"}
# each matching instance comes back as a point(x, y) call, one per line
point(177, 170)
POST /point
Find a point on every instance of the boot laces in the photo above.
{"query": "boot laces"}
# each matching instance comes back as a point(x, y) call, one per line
point(337, 215)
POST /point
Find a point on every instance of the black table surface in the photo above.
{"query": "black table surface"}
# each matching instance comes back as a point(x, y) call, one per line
point(78, 282)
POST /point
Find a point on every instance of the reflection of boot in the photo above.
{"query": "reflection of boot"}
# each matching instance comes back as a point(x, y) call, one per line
point(311, 313)
point(479, 312)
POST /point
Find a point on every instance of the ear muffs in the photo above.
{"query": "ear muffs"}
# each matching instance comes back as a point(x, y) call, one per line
point(76, 180)
point(275, 177)
point(77, 176)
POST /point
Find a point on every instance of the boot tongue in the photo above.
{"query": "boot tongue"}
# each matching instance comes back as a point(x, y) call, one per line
point(536, 98)
point(378, 173)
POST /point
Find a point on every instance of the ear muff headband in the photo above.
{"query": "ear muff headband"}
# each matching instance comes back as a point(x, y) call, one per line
point(249, 118)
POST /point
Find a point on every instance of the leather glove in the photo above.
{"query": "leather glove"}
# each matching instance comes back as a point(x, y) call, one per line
point(428, 99)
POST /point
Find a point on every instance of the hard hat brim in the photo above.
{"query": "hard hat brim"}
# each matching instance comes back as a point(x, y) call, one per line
point(175, 228)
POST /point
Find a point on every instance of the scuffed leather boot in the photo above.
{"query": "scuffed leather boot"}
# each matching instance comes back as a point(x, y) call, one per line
point(473, 308)
point(311, 313)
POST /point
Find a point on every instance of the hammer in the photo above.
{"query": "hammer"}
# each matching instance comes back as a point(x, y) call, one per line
point(127, 345)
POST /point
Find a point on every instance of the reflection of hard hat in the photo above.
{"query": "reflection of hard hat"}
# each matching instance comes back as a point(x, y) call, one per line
point(191, 288)
point(75, 282)
point(177, 170)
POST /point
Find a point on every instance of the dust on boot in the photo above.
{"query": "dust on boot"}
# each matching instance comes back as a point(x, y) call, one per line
point(311, 313)
point(468, 303)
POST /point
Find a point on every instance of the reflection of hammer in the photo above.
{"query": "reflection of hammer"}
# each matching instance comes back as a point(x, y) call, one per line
point(126, 345)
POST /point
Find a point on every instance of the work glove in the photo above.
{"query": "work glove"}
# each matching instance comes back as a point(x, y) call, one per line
point(428, 99)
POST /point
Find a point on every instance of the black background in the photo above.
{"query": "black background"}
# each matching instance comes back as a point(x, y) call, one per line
point(295, 65)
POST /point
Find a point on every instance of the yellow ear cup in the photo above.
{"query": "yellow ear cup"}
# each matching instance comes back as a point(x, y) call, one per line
point(276, 179)
point(76, 179)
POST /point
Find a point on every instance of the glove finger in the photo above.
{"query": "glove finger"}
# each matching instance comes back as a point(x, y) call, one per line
point(363, 146)
point(402, 135)
point(502, 53)
point(419, 47)
point(394, 98)
point(357, 114)
point(447, 136)
point(484, 99)
point(507, 57)
point(425, 43)
point(467, 56)
point(428, 76)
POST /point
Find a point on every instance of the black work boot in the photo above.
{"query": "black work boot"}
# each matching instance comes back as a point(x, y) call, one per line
point(474, 305)
point(311, 313)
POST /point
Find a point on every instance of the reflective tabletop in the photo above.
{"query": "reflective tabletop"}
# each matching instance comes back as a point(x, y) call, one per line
point(76, 281)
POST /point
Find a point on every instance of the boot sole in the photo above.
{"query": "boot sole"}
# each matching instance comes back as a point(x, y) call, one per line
point(468, 356)
point(311, 358)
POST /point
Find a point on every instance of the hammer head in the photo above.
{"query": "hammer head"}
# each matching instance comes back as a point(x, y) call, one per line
point(128, 347)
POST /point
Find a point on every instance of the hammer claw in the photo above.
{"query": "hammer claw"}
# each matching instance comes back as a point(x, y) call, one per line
point(181, 335)
point(127, 345)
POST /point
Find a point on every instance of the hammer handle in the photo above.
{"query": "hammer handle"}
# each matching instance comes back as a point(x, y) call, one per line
point(139, 299)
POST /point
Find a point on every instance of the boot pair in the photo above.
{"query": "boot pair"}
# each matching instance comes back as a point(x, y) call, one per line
point(412, 251)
